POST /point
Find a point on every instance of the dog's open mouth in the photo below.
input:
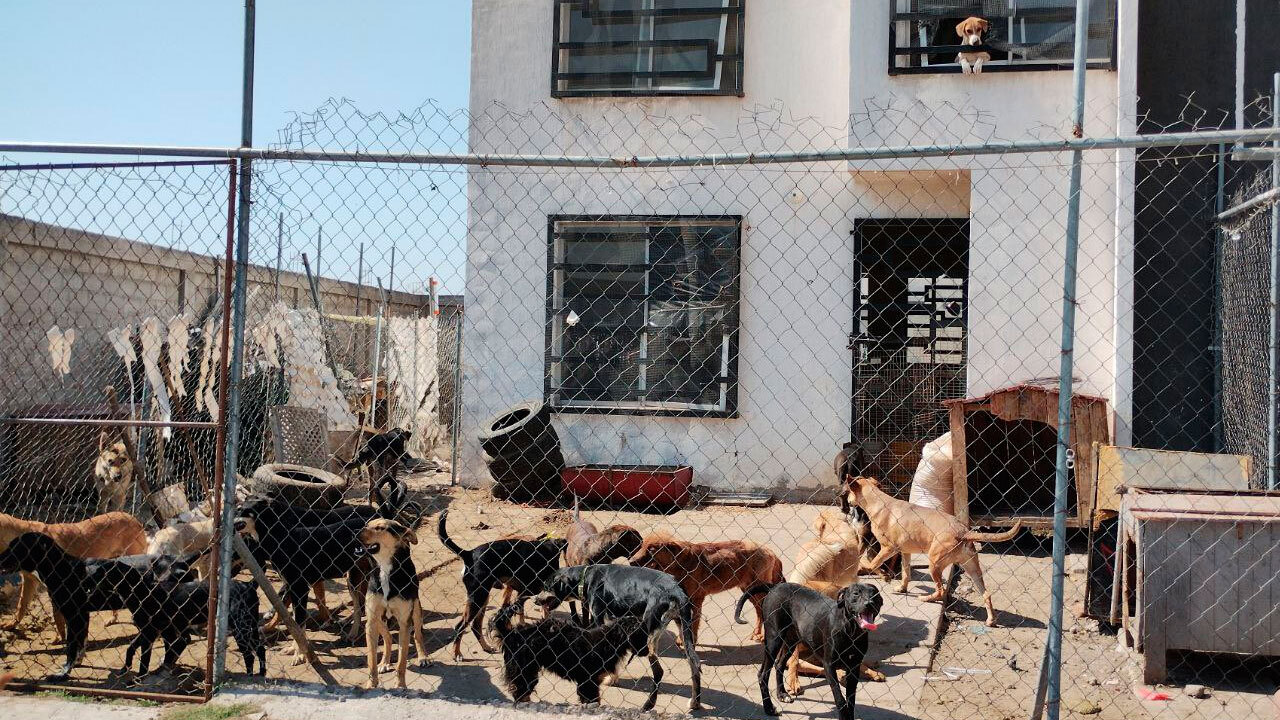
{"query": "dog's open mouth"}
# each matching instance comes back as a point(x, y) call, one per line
point(867, 620)
point(367, 549)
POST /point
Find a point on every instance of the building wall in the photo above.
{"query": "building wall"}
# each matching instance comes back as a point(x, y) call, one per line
point(810, 68)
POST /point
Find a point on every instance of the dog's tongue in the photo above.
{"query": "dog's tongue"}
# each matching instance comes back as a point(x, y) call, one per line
point(866, 624)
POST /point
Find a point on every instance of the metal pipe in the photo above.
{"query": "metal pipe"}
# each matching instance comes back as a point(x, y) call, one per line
point(112, 166)
point(232, 407)
point(1275, 278)
point(1198, 138)
point(377, 353)
point(1053, 646)
point(457, 400)
point(315, 300)
point(1257, 201)
point(107, 422)
point(279, 253)
point(20, 686)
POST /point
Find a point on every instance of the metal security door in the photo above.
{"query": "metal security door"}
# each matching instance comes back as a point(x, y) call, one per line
point(909, 342)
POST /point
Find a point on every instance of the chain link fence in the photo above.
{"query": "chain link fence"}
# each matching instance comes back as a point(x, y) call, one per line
point(687, 364)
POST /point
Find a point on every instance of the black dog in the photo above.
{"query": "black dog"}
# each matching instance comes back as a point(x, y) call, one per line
point(590, 657)
point(78, 587)
point(617, 591)
point(522, 565)
point(172, 607)
point(306, 555)
point(835, 631)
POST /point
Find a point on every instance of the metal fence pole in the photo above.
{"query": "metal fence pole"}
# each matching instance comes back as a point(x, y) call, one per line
point(1051, 673)
point(1275, 278)
point(457, 400)
point(232, 410)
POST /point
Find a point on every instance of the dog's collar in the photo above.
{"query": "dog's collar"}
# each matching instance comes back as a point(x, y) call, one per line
point(582, 584)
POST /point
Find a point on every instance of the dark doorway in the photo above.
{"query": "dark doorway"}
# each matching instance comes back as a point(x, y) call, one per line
point(908, 347)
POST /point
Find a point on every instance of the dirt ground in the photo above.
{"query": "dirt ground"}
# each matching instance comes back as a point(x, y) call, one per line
point(1004, 660)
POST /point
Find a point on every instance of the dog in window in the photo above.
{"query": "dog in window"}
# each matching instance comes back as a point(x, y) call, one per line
point(971, 31)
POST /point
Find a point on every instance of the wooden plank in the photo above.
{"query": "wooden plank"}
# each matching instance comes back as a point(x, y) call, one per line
point(1195, 600)
point(1173, 470)
point(1257, 572)
point(1154, 553)
point(1270, 628)
point(959, 464)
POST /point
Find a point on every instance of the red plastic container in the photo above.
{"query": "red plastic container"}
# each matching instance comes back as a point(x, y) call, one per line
point(663, 485)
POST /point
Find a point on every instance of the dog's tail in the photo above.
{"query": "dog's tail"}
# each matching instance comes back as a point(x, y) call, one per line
point(760, 589)
point(451, 545)
point(501, 622)
point(992, 537)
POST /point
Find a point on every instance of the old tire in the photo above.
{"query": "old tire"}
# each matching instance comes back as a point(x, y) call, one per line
point(299, 485)
point(515, 428)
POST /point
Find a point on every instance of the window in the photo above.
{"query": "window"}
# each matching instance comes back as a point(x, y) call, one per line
point(647, 47)
point(1024, 34)
point(642, 314)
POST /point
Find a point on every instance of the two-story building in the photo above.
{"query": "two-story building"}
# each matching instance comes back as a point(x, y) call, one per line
point(746, 321)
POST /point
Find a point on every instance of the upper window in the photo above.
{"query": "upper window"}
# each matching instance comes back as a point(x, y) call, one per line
point(642, 314)
point(1023, 34)
point(647, 47)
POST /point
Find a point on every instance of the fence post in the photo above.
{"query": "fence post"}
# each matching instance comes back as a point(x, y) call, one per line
point(227, 519)
point(1275, 278)
point(1049, 694)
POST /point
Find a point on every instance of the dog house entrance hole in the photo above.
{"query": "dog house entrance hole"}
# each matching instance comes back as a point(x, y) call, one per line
point(1011, 467)
point(909, 348)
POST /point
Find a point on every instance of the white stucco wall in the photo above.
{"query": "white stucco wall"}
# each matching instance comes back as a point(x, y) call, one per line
point(809, 67)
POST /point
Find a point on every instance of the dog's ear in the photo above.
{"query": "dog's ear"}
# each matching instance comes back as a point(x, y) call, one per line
point(102, 441)
point(960, 28)
point(842, 595)
point(983, 25)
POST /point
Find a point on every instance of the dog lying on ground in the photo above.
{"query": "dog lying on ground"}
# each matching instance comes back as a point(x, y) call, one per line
point(112, 474)
point(617, 591)
point(306, 555)
point(522, 565)
point(835, 631)
point(585, 544)
point(103, 536)
point(905, 528)
point(78, 587)
point(171, 607)
point(393, 590)
point(590, 657)
point(704, 569)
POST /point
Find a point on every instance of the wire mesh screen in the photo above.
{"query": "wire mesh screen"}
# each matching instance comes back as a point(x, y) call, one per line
point(1246, 321)
point(698, 401)
point(114, 281)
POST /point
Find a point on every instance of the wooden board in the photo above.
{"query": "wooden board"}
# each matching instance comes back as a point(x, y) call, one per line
point(1166, 470)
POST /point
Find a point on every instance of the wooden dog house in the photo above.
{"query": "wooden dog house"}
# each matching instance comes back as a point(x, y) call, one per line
point(1004, 449)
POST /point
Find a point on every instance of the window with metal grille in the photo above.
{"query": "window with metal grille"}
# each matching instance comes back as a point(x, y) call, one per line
point(647, 47)
point(642, 314)
point(1024, 34)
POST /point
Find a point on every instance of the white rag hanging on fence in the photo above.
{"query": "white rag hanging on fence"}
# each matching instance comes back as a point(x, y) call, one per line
point(152, 337)
point(932, 485)
point(207, 334)
point(178, 337)
point(413, 366)
point(60, 343)
point(301, 345)
point(122, 342)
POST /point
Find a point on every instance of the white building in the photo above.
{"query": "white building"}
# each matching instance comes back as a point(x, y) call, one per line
point(746, 374)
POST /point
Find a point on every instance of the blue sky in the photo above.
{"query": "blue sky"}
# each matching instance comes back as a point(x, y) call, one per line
point(147, 71)
point(169, 73)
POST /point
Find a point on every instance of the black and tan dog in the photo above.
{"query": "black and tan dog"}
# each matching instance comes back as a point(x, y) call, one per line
point(589, 657)
point(524, 566)
point(617, 591)
point(834, 631)
point(393, 591)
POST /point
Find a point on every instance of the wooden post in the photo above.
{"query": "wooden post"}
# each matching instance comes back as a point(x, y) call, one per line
point(295, 630)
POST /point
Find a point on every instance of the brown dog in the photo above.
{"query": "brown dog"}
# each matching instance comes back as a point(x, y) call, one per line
point(100, 537)
point(905, 528)
point(971, 31)
point(112, 474)
point(587, 545)
point(704, 569)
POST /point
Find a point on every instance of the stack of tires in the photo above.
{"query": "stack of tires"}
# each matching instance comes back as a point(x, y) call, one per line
point(522, 450)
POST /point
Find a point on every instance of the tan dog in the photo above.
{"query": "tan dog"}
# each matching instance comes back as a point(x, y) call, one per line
point(587, 545)
point(393, 590)
point(905, 528)
point(101, 537)
point(971, 31)
point(112, 474)
point(704, 569)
